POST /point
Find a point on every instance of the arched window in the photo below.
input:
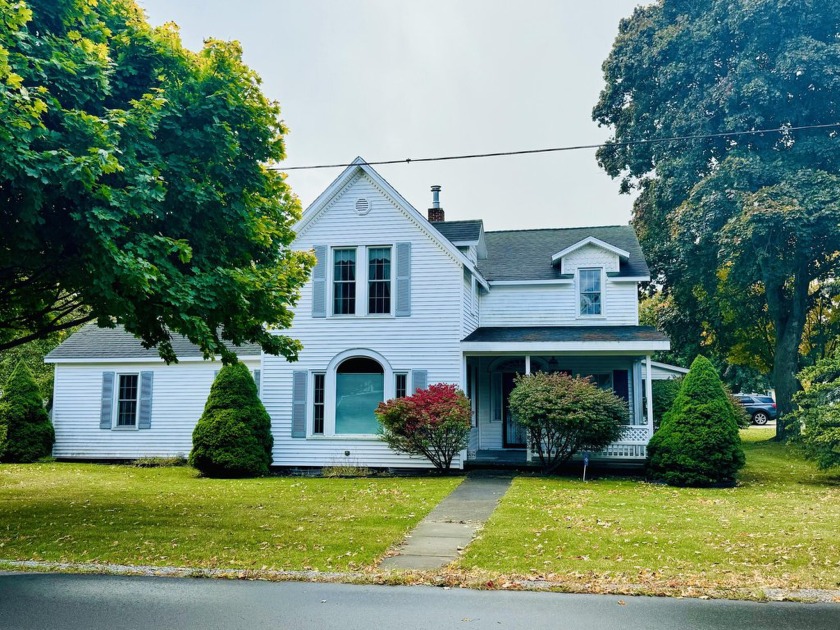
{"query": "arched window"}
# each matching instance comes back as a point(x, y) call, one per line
point(359, 388)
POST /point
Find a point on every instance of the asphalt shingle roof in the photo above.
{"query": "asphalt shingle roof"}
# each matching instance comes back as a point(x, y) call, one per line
point(92, 342)
point(526, 254)
point(459, 231)
point(566, 333)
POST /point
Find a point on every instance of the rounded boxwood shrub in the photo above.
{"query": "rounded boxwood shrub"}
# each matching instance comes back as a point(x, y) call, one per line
point(26, 433)
point(698, 443)
point(233, 436)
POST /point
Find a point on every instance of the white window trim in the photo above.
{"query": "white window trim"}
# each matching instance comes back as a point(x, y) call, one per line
point(115, 410)
point(362, 281)
point(389, 387)
point(595, 374)
point(579, 286)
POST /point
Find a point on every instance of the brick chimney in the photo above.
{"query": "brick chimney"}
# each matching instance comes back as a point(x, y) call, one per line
point(436, 214)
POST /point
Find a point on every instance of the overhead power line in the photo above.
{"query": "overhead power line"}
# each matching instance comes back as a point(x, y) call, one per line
point(578, 147)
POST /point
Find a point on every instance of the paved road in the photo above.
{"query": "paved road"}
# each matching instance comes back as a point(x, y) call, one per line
point(87, 602)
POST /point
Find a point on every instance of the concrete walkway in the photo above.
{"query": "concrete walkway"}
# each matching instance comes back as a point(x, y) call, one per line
point(441, 537)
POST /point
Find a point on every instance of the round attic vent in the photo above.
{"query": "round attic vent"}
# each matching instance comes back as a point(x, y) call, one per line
point(362, 205)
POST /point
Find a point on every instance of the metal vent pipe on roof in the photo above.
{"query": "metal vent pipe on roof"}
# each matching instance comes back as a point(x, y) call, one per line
point(435, 196)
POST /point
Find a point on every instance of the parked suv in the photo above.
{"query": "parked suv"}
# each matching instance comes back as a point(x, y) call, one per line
point(760, 407)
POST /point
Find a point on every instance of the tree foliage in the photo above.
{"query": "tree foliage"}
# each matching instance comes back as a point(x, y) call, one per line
point(26, 433)
point(233, 436)
point(732, 225)
point(433, 423)
point(698, 443)
point(134, 186)
point(664, 394)
point(564, 415)
point(817, 418)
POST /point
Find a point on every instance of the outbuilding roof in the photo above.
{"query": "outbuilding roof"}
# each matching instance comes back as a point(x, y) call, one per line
point(93, 342)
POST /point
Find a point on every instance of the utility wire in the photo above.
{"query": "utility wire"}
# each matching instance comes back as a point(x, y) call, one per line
point(628, 143)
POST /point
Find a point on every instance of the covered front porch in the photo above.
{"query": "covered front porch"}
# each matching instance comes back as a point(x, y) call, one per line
point(491, 365)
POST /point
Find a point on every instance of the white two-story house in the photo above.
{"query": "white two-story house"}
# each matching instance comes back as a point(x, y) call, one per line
point(397, 301)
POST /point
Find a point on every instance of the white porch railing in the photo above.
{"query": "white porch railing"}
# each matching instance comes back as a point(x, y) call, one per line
point(632, 445)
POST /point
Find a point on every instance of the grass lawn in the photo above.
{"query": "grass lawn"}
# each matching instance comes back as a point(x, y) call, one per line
point(170, 517)
point(780, 527)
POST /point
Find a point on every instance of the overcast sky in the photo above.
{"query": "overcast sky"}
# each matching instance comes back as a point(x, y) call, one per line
point(388, 79)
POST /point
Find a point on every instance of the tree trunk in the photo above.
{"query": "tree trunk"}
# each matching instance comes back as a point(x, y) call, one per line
point(785, 363)
point(789, 324)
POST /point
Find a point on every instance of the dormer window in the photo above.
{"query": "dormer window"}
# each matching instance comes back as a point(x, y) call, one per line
point(589, 281)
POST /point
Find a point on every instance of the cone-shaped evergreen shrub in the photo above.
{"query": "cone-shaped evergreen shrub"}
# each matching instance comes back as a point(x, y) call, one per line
point(698, 443)
point(233, 436)
point(29, 434)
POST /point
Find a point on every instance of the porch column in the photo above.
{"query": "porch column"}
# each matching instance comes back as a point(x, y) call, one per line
point(527, 440)
point(649, 393)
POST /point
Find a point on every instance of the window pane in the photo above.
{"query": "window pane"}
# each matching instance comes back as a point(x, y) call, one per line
point(401, 382)
point(379, 280)
point(318, 405)
point(127, 400)
point(590, 291)
point(357, 396)
point(344, 282)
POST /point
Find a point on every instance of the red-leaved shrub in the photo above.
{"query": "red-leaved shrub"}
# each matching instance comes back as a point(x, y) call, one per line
point(434, 422)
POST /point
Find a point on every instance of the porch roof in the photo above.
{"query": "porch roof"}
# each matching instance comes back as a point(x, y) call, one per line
point(567, 338)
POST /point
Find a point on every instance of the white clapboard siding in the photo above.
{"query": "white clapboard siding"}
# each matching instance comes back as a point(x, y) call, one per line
point(557, 305)
point(179, 393)
point(469, 305)
point(427, 340)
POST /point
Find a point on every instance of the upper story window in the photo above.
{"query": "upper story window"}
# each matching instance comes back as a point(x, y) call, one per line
point(590, 291)
point(344, 281)
point(371, 287)
point(379, 280)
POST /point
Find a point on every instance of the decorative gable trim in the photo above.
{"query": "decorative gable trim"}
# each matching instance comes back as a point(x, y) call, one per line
point(348, 176)
point(590, 240)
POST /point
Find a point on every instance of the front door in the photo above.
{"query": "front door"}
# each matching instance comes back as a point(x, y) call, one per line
point(514, 433)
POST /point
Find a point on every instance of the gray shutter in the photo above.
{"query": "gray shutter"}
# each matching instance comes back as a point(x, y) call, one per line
point(403, 308)
point(419, 380)
point(145, 419)
point(299, 383)
point(257, 380)
point(319, 282)
point(107, 411)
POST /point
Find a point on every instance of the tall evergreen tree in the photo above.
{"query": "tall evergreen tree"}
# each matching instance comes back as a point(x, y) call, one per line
point(29, 434)
point(233, 436)
point(698, 443)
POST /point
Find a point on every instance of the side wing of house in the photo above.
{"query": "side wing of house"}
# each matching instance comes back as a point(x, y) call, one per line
point(381, 317)
point(113, 399)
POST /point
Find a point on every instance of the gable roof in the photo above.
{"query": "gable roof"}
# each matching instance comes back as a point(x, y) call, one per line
point(359, 165)
point(93, 342)
point(590, 240)
point(522, 255)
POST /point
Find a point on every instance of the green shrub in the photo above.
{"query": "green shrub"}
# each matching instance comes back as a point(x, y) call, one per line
point(233, 436)
point(698, 443)
point(434, 422)
point(564, 414)
point(160, 462)
point(815, 424)
point(29, 434)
